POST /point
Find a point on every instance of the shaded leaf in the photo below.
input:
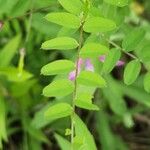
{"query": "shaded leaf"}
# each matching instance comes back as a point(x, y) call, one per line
point(119, 3)
point(9, 51)
point(147, 82)
point(133, 39)
point(111, 60)
point(63, 143)
point(131, 71)
point(13, 74)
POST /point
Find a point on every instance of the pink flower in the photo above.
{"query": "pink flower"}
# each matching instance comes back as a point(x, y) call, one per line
point(119, 63)
point(89, 66)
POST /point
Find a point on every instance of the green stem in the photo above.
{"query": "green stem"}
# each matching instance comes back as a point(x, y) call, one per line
point(123, 50)
point(75, 85)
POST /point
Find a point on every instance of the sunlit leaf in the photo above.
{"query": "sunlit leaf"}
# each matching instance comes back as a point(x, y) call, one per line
point(59, 110)
point(60, 43)
point(83, 132)
point(89, 78)
point(98, 24)
point(64, 19)
point(61, 87)
point(58, 67)
point(72, 6)
point(93, 50)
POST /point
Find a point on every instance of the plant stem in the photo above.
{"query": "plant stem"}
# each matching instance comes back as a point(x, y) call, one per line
point(75, 84)
point(123, 50)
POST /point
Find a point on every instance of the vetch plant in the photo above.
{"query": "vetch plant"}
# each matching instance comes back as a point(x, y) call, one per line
point(74, 74)
point(79, 18)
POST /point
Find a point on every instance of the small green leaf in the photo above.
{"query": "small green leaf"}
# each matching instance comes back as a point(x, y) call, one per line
point(72, 6)
point(63, 143)
point(147, 82)
point(92, 79)
point(58, 67)
point(64, 19)
point(9, 51)
point(13, 74)
point(84, 100)
point(93, 50)
point(133, 39)
point(83, 104)
point(61, 87)
point(60, 43)
point(132, 71)
point(98, 24)
point(111, 60)
point(119, 3)
point(59, 110)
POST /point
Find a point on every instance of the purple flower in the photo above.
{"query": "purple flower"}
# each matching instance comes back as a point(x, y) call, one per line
point(73, 73)
point(89, 66)
point(119, 63)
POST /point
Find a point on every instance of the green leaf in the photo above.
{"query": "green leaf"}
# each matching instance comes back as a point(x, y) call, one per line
point(137, 94)
point(60, 43)
point(92, 79)
point(98, 24)
point(58, 67)
point(111, 60)
point(61, 87)
point(57, 111)
point(147, 82)
point(132, 71)
point(9, 51)
point(78, 143)
point(63, 143)
point(93, 50)
point(119, 3)
point(13, 74)
point(133, 39)
point(84, 100)
point(72, 6)
point(64, 19)
point(82, 131)
point(3, 133)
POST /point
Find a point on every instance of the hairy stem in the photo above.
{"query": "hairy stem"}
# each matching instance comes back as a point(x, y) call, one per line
point(75, 84)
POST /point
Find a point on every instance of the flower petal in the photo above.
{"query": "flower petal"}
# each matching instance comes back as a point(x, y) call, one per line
point(88, 65)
